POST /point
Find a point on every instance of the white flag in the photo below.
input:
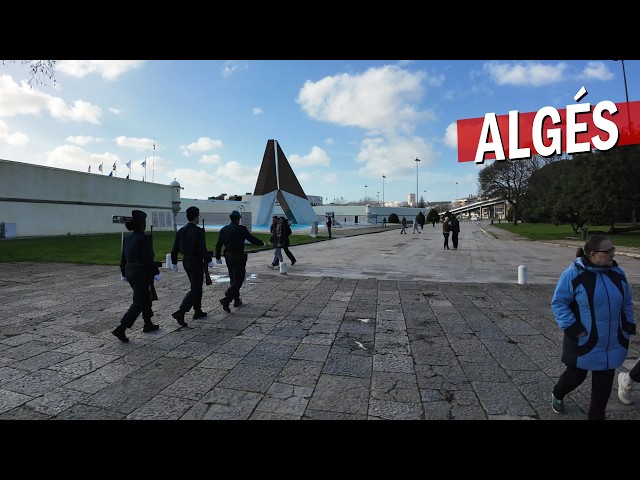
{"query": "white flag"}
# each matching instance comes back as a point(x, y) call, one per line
point(129, 164)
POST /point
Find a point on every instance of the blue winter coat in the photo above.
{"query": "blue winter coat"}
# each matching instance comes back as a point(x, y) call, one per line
point(593, 306)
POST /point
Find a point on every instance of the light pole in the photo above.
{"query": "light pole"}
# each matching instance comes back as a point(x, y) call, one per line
point(626, 92)
point(417, 161)
point(383, 177)
point(378, 198)
point(426, 204)
point(365, 194)
point(456, 191)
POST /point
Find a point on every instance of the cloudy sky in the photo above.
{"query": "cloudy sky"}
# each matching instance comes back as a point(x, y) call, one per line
point(342, 124)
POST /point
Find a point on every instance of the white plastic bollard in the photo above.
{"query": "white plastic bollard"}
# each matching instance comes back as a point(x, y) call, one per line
point(283, 267)
point(168, 260)
point(522, 274)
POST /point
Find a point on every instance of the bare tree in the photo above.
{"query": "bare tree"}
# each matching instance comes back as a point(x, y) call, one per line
point(509, 180)
point(40, 70)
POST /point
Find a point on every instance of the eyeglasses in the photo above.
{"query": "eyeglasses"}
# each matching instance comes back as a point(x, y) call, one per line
point(611, 251)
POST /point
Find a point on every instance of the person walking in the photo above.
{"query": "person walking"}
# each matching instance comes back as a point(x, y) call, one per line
point(329, 223)
point(455, 231)
point(384, 222)
point(446, 229)
point(592, 304)
point(285, 233)
point(138, 268)
point(190, 242)
point(416, 225)
point(232, 237)
point(404, 226)
point(276, 230)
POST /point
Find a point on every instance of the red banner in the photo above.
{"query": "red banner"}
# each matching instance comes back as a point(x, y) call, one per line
point(626, 119)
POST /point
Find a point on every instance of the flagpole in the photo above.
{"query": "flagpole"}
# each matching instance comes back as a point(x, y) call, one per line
point(145, 170)
point(153, 162)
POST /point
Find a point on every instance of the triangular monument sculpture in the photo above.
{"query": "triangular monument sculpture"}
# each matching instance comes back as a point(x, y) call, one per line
point(277, 182)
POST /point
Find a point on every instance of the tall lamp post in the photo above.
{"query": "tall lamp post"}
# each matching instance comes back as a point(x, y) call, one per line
point(626, 92)
point(365, 194)
point(383, 177)
point(456, 192)
point(417, 161)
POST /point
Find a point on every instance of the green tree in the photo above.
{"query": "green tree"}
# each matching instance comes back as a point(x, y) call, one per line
point(433, 216)
point(393, 218)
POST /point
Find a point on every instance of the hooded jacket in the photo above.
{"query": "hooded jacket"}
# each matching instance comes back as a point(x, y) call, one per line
point(593, 306)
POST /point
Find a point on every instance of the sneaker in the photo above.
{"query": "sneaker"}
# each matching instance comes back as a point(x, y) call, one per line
point(150, 327)
point(119, 332)
point(293, 263)
point(237, 302)
point(225, 305)
point(271, 266)
point(624, 388)
point(556, 404)
point(199, 314)
point(179, 316)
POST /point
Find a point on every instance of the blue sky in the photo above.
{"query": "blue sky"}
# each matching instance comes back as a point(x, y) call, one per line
point(342, 124)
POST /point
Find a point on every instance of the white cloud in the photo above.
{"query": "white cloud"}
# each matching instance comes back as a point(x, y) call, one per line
point(231, 66)
point(378, 100)
point(317, 157)
point(203, 144)
point(17, 139)
point(210, 160)
point(138, 144)
point(596, 71)
point(256, 111)
point(82, 140)
point(108, 69)
point(529, 74)
point(451, 135)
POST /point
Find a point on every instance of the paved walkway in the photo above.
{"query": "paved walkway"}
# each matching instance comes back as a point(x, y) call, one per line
point(369, 325)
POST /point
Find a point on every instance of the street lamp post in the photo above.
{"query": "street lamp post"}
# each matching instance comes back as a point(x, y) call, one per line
point(626, 92)
point(365, 194)
point(456, 191)
point(383, 177)
point(417, 161)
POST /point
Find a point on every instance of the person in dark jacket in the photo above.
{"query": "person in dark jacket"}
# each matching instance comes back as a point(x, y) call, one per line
point(592, 304)
point(190, 242)
point(446, 230)
point(329, 224)
point(137, 265)
point(455, 231)
point(275, 229)
point(285, 233)
point(232, 237)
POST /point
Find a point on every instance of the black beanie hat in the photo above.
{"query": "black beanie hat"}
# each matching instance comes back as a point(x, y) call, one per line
point(192, 212)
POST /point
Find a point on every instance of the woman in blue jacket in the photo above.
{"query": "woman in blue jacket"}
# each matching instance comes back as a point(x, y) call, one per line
point(592, 304)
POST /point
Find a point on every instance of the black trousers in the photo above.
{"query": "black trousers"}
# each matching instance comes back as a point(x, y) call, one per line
point(634, 373)
point(138, 279)
point(195, 273)
point(446, 239)
point(236, 266)
point(454, 239)
point(288, 253)
point(601, 383)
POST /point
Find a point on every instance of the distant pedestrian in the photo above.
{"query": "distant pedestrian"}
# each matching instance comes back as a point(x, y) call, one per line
point(285, 233)
point(592, 304)
point(276, 232)
point(190, 242)
point(415, 226)
point(446, 230)
point(138, 268)
point(233, 236)
point(384, 222)
point(455, 231)
point(329, 223)
point(404, 226)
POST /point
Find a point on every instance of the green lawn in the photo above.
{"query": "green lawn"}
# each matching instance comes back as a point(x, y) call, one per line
point(105, 249)
point(544, 231)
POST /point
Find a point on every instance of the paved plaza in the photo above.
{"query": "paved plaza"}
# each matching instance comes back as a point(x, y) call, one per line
point(369, 325)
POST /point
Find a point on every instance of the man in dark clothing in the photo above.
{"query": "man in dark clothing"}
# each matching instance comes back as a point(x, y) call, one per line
point(138, 268)
point(190, 242)
point(455, 230)
point(329, 223)
point(232, 236)
point(284, 239)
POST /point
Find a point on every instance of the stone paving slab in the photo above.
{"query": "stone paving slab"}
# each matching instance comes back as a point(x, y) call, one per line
point(375, 326)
